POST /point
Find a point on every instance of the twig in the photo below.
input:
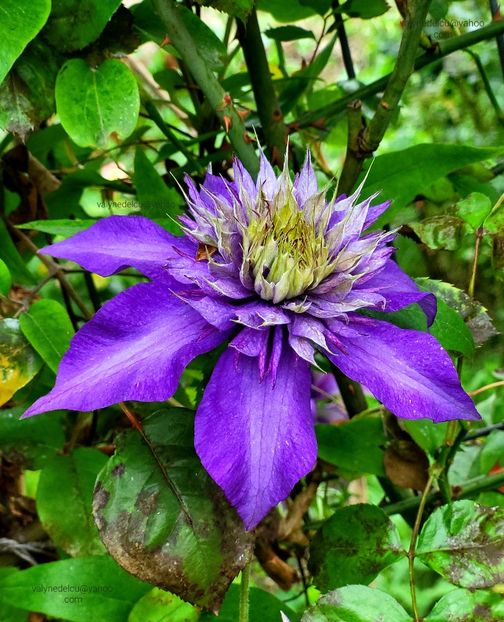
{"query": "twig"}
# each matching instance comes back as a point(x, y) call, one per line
point(268, 106)
point(471, 436)
point(343, 39)
point(244, 593)
point(351, 392)
point(472, 280)
point(353, 160)
point(169, 14)
point(412, 546)
point(322, 115)
point(495, 10)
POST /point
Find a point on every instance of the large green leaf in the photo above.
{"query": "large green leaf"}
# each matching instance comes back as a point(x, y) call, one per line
point(402, 175)
point(285, 10)
point(5, 278)
point(73, 24)
point(20, 21)
point(354, 446)
point(464, 542)
point(94, 103)
point(340, 556)
point(9, 613)
point(356, 603)
point(36, 439)
point(18, 360)
point(465, 606)
point(78, 590)
point(470, 310)
point(68, 482)
point(163, 519)
point(48, 328)
point(365, 9)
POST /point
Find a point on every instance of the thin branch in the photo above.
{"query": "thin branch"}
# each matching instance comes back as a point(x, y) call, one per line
point(469, 489)
point(320, 116)
point(353, 160)
point(343, 39)
point(351, 392)
point(268, 106)
point(169, 14)
point(495, 10)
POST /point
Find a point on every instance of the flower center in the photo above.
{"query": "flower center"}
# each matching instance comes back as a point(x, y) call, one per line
point(286, 254)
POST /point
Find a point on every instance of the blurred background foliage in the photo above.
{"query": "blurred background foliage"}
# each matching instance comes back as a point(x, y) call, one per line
point(104, 107)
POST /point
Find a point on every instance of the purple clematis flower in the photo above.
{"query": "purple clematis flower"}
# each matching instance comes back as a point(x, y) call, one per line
point(279, 272)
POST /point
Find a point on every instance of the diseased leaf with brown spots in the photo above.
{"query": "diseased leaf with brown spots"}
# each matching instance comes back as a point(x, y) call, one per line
point(465, 606)
point(162, 517)
point(464, 542)
point(18, 360)
point(353, 546)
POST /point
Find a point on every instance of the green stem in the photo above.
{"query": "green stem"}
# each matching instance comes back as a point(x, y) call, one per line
point(244, 593)
point(445, 48)
point(353, 161)
point(474, 270)
point(169, 14)
point(268, 106)
point(412, 546)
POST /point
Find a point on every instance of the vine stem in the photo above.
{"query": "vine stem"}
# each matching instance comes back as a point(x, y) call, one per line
point(487, 387)
point(169, 13)
point(412, 546)
point(244, 593)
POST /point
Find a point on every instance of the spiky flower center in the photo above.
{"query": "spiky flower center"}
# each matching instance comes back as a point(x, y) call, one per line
point(285, 253)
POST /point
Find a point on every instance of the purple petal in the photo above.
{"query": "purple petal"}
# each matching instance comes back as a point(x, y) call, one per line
point(375, 211)
point(256, 438)
point(135, 348)
point(399, 291)
point(266, 179)
point(405, 369)
point(305, 184)
point(119, 242)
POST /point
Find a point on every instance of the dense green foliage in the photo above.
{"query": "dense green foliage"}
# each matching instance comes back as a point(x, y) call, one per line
point(104, 106)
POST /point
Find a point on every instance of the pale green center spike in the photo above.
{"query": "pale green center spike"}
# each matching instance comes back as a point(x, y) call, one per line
point(286, 254)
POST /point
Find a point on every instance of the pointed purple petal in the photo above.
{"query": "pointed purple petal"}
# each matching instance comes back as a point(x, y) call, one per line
point(399, 291)
point(119, 242)
point(266, 179)
point(375, 211)
point(256, 438)
point(405, 369)
point(135, 348)
point(305, 184)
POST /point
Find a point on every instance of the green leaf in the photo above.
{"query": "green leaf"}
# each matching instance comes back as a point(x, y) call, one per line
point(492, 451)
point(354, 446)
point(48, 328)
point(470, 310)
point(62, 226)
point(210, 47)
point(463, 542)
point(365, 9)
point(356, 603)
point(160, 606)
point(94, 103)
point(18, 361)
point(285, 10)
point(474, 209)
point(235, 8)
point(402, 175)
point(5, 278)
point(289, 33)
point(163, 519)
point(74, 24)
point(264, 607)
point(9, 613)
point(155, 197)
point(35, 438)
point(78, 590)
point(19, 23)
point(27, 94)
point(464, 606)
point(439, 232)
point(339, 555)
point(426, 434)
point(13, 260)
point(68, 482)
point(451, 331)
